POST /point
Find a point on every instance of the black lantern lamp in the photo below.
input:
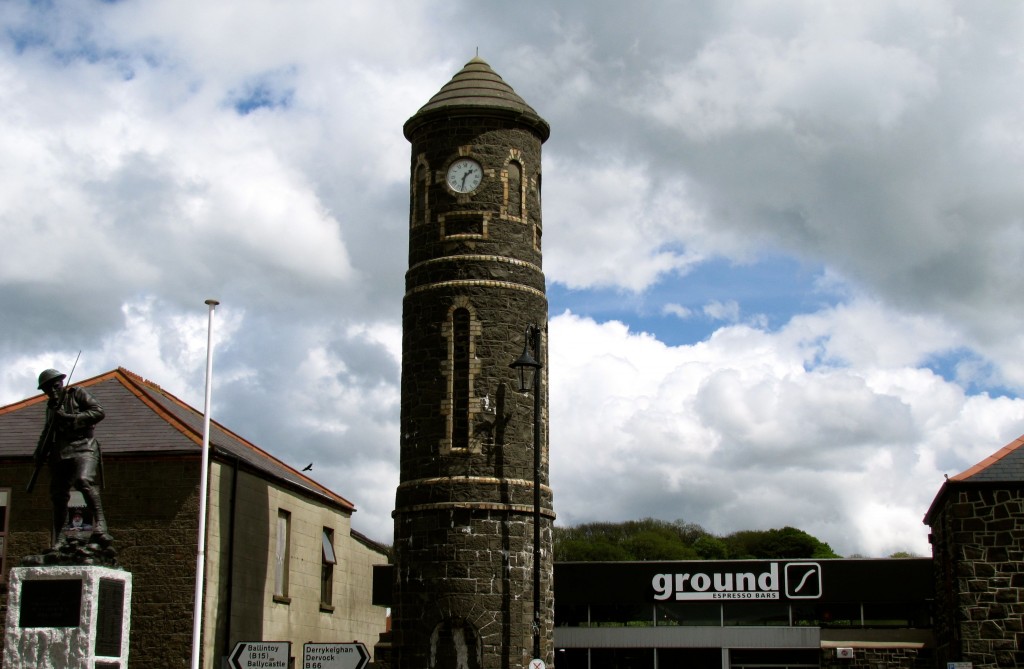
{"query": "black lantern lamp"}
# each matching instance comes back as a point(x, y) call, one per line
point(526, 365)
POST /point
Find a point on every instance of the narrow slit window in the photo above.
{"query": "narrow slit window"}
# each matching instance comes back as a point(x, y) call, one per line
point(515, 189)
point(328, 560)
point(460, 379)
point(282, 554)
point(420, 196)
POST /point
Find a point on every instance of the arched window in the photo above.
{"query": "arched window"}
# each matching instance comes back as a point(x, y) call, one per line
point(515, 189)
point(419, 209)
point(460, 378)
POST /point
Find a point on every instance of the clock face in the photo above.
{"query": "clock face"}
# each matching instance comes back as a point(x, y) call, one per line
point(464, 175)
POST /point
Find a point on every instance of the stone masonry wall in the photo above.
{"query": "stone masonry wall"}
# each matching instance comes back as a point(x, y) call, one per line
point(978, 547)
point(880, 658)
point(152, 509)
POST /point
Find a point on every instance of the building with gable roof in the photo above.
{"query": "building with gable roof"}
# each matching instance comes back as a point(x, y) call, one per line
point(282, 560)
point(977, 536)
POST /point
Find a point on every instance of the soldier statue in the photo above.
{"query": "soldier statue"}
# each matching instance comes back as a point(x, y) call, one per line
point(68, 446)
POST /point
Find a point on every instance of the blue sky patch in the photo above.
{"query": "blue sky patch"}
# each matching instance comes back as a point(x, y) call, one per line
point(687, 309)
point(261, 94)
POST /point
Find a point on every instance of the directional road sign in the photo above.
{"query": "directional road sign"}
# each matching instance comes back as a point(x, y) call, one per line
point(334, 656)
point(260, 655)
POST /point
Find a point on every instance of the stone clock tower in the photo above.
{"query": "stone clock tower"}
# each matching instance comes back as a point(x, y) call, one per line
point(465, 507)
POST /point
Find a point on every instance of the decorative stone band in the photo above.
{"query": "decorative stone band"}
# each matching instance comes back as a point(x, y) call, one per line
point(493, 481)
point(508, 285)
point(477, 257)
point(480, 480)
point(525, 509)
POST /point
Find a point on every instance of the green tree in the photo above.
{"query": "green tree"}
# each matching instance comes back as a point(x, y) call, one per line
point(652, 539)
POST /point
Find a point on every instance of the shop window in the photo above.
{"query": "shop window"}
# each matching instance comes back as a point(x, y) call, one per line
point(896, 614)
point(572, 615)
point(691, 658)
point(5, 501)
point(572, 658)
point(741, 658)
point(282, 555)
point(754, 614)
point(832, 614)
point(690, 614)
point(622, 658)
point(621, 615)
point(328, 560)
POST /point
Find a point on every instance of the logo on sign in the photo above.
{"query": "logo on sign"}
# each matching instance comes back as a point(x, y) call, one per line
point(802, 581)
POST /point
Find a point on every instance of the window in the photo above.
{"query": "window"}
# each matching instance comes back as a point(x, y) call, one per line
point(5, 498)
point(515, 190)
point(419, 212)
point(282, 554)
point(460, 382)
point(327, 570)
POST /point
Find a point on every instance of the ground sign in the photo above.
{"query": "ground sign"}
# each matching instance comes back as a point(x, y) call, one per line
point(260, 655)
point(334, 656)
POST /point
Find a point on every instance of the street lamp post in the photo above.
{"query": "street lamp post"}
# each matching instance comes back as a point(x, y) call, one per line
point(529, 369)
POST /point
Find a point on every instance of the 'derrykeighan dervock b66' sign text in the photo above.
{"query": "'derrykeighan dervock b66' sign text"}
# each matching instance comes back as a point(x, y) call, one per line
point(797, 580)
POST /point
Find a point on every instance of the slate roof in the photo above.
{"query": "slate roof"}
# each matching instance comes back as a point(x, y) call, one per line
point(142, 418)
point(1005, 465)
point(477, 86)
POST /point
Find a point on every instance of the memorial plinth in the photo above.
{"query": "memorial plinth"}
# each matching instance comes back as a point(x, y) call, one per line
point(68, 617)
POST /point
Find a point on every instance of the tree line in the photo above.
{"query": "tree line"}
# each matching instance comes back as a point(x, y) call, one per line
point(651, 539)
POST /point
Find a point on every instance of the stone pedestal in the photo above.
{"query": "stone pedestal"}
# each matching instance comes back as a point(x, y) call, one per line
point(68, 618)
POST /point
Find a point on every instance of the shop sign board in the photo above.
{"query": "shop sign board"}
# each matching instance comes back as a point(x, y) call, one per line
point(796, 580)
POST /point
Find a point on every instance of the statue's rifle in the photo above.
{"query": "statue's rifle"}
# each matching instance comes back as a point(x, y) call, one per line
point(43, 447)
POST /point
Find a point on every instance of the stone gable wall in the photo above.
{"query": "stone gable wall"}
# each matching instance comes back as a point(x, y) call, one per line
point(978, 547)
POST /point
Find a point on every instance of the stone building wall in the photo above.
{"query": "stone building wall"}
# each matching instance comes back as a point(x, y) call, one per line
point(152, 509)
point(152, 506)
point(978, 546)
point(880, 658)
point(300, 616)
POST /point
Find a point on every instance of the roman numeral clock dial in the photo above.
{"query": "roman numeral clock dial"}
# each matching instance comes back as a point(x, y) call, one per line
point(465, 175)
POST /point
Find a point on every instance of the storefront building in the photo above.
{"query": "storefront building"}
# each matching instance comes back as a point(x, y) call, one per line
point(731, 614)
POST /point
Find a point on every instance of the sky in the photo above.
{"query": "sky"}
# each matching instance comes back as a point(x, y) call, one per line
point(783, 239)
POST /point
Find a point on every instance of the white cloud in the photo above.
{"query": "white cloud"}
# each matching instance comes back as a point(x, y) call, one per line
point(879, 141)
point(737, 433)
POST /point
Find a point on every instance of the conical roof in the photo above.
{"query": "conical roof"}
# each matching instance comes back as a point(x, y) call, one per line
point(474, 88)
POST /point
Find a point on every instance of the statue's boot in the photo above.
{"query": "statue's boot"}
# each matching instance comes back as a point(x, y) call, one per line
point(59, 515)
point(99, 519)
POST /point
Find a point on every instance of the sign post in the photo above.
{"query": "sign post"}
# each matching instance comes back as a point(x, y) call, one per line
point(334, 656)
point(260, 655)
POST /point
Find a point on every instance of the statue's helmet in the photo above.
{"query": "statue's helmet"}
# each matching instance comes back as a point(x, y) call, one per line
point(49, 376)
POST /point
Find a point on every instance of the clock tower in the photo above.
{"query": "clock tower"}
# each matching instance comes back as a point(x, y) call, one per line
point(473, 497)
